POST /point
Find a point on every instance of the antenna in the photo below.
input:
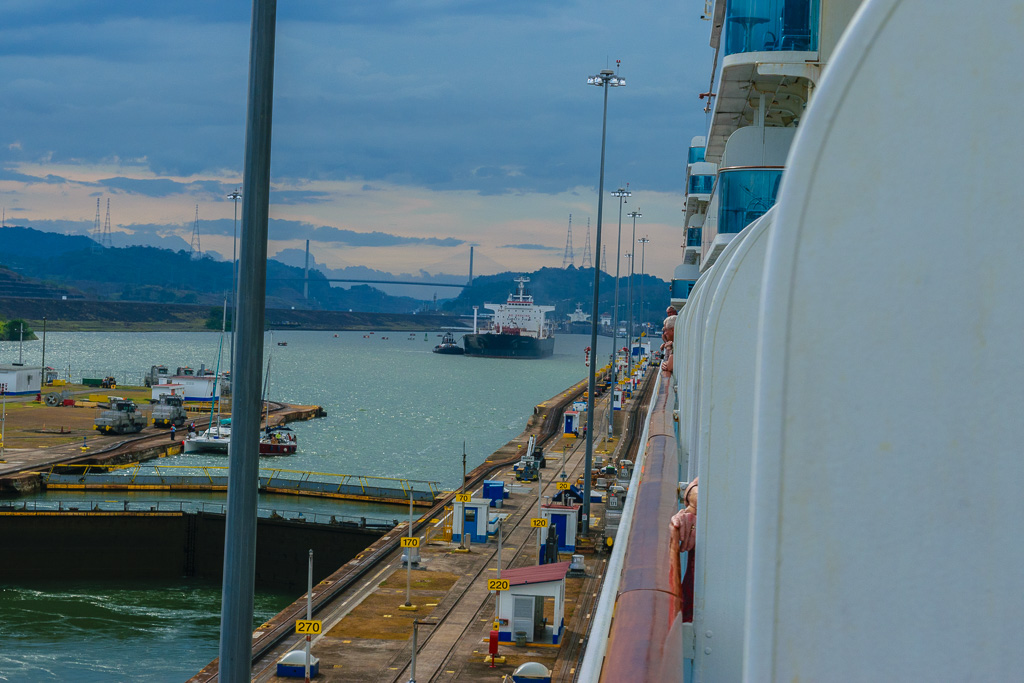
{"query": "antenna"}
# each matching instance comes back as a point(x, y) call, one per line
point(105, 240)
point(194, 251)
point(588, 262)
point(568, 259)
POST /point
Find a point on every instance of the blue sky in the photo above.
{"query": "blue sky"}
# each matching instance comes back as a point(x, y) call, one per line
point(404, 132)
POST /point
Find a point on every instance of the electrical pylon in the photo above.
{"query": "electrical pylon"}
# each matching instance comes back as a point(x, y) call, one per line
point(588, 262)
point(568, 259)
point(194, 251)
point(96, 235)
point(105, 241)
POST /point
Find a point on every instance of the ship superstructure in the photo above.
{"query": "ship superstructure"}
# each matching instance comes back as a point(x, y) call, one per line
point(517, 329)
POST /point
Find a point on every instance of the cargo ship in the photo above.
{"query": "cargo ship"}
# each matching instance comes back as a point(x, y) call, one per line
point(516, 330)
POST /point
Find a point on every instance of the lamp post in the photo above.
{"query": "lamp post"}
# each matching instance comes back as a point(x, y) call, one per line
point(621, 193)
point(643, 251)
point(604, 80)
point(236, 195)
point(634, 215)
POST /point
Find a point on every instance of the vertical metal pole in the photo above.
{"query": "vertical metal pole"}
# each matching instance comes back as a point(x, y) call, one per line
point(412, 664)
point(539, 514)
point(305, 283)
point(632, 262)
point(591, 381)
point(643, 252)
point(42, 365)
point(3, 422)
point(21, 341)
point(615, 324)
point(236, 195)
point(462, 489)
point(408, 558)
point(497, 594)
point(309, 609)
point(243, 468)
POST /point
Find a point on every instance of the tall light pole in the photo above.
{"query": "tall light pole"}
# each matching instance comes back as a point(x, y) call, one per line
point(621, 193)
point(634, 215)
point(604, 79)
point(643, 252)
point(236, 195)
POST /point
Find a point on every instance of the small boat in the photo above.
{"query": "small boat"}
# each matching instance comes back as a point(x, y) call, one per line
point(213, 440)
point(282, 343)
point(278, 441)
point(449, 346)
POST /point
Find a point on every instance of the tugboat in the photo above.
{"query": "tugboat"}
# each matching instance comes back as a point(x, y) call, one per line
point(449, 346)
point(517, 330)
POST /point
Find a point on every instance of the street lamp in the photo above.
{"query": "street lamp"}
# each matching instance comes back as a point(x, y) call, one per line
point(236, 195)
point(643, 251)
point(604, 79)
point(634, 215)
point(621, 193)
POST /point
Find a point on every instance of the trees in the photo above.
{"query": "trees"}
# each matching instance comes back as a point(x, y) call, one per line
point(12, 330)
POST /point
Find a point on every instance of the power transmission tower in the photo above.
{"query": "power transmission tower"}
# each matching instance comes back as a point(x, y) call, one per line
point(588, 262)
point(105, 241)
point(194, 251)
point(604, 258)
point(96, 223)
point(568, 259)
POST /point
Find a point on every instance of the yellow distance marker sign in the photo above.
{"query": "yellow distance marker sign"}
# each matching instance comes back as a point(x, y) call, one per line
point(538, 522)
point(497, 584)
point(562, 486)
point(410, 541)
point(308, 627)
point(463, 497)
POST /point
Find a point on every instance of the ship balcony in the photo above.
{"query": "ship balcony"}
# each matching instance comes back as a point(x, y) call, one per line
point(745, 194)
point(768, 26)
point(767, 47)
point(695, 155)
point(692, 246)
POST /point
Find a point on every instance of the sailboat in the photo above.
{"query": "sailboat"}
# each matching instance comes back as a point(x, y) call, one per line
point(278, 440)
point(217, 437)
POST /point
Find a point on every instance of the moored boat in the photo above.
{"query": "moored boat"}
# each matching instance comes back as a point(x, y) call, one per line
point(449, 346)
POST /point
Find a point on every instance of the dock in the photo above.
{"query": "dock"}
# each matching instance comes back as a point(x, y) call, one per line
point(367, 626)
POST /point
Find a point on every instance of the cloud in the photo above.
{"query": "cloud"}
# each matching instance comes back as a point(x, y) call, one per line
point(285, 197)
point(377, 239)
point(531, 247)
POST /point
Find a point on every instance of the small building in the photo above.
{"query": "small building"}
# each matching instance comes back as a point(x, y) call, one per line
point(168, 389)
point(521, 607)
point(572, 423)
point(565, 520)
point(17, 379)
point(198, 387)
point(473, 518)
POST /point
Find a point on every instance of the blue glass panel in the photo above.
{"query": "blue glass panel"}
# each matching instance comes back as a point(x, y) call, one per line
point(771, 26)
point(693, 237)
point(701, 184)
point(696, 154)
point(681, 288)
point(745, 195)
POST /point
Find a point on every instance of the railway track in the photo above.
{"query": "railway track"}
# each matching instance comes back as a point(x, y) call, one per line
point(280, 636)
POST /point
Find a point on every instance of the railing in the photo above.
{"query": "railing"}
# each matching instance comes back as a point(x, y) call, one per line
point(645, 642)
point(269, 476)
point(189, 506)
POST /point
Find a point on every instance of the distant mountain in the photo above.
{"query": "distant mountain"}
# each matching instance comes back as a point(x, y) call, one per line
point(81, 267)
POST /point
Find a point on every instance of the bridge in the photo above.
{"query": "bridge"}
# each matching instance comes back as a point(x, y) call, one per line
point(140, 477)
point(372, 282)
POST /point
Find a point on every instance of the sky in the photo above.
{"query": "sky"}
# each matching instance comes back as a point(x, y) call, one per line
point(404, 131)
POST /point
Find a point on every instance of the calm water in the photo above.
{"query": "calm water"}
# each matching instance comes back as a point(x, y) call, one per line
point(394, 409)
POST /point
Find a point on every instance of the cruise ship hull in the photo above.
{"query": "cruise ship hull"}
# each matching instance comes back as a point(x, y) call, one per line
point(489, 345)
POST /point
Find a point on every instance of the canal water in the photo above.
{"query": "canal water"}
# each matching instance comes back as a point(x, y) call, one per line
point(394, 409)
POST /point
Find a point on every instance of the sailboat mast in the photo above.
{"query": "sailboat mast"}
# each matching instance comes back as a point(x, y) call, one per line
point(216, 373)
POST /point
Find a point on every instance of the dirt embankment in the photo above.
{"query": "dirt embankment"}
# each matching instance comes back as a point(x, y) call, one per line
point(88, 315)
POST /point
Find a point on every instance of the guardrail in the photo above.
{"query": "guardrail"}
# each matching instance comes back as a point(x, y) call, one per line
point(188, 506)
point(645, 642)
point(278, 480)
